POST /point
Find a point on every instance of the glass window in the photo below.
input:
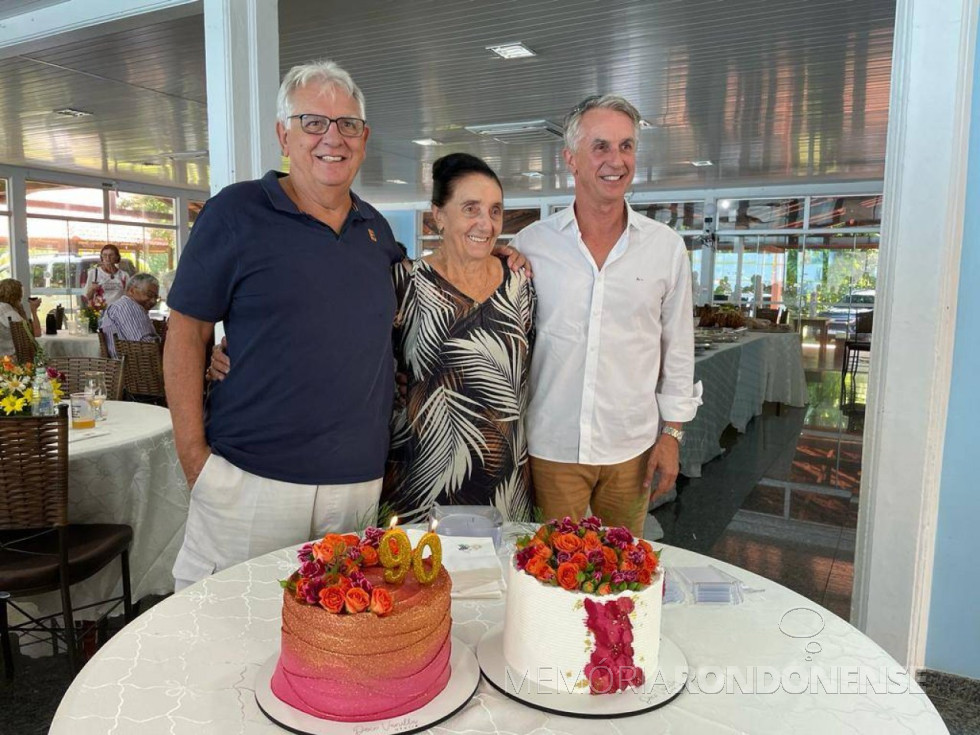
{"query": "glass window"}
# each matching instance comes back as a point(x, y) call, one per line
point(516, 220)
point(5, 270)
point(70, 201)
point(862, 211)
point(760, 214)
point(127, 207)
point(679, 215)
point(3, 196)
point(193, 209)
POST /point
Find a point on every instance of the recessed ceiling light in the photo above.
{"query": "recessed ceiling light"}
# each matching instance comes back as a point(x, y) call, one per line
point(724, 204)
point(395, 181)
point(72, 112)
point(533, 174)
point(699, 164)
point(516, 50)
point(426, 141)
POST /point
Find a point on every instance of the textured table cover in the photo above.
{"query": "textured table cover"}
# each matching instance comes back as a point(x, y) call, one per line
point(129, 475)
point(737, 379)
point(188, 665)
point(63, 344)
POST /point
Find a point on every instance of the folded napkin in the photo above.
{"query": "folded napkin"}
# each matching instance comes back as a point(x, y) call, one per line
point(78, 436)
point(472, 563)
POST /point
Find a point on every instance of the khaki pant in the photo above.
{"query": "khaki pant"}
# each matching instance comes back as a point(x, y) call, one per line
point(614, 492)
point(235, 516)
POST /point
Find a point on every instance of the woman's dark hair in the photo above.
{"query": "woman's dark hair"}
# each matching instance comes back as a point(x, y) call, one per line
point(113, 248)
point(446, 171)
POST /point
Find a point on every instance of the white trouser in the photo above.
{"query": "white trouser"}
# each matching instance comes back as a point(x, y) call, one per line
point(235, 516)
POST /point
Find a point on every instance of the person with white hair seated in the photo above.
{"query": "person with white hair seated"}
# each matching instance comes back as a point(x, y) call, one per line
point(128, 317)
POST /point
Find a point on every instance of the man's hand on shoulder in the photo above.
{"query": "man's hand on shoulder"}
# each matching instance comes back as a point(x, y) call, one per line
point(515, 259)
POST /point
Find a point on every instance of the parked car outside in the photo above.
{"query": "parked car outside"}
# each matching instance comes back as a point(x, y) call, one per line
point(844, 313)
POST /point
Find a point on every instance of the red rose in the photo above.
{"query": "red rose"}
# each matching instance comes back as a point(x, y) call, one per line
point(381, 601)
point(356, 600)
point(332, 599)
point(568, 576)
point(643, 576)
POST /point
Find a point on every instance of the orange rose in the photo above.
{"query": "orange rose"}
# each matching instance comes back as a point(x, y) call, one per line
point(604, 589)
point(645, 545)
point(542, 534)
point(568, 576)
point(650, 563)
point(579, 560)
point(542, 551)
point(627, 566)
point(301, 585)
point(350, 565)
point(539, 569)
point(610, 556)
point(370, 555)
point(350, 539)
point(356, 600)
point(338, 580)
point(566, 542)
point(644, 576)
point(332, 599)
point(380, 601)
point(591, 541)
point(322, 551)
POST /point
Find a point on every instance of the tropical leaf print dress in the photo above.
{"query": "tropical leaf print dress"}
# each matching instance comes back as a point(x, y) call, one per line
point(460, 439)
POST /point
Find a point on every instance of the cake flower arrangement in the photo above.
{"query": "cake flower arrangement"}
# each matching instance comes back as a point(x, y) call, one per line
point(16, 386)
point(331, 572)
point(93, 307)
point(586, 557)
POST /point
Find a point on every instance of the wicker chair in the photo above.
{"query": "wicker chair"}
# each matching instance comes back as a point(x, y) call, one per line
point(160, 326)
point(39, 550)
point(24, 345)
point(74, 367)
point(103, 345)
point(143, 371)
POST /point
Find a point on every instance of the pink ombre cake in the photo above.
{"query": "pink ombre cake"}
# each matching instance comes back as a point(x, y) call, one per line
point(359, 668)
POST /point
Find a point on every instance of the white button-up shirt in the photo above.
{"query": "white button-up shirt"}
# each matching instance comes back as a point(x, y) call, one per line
point(614, 352)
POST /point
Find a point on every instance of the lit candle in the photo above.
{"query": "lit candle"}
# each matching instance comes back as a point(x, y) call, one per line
point(427, 575)
point(395, 553)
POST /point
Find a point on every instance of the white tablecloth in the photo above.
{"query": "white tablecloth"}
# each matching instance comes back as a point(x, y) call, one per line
point(189, 665)
point(128, 475)
point(63, 344)
point(738, 378)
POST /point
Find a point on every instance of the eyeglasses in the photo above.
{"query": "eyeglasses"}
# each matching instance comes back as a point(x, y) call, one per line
point(349, 127)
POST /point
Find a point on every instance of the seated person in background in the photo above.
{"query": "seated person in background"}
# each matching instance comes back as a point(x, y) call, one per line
point(129, 317)
point(12, 308)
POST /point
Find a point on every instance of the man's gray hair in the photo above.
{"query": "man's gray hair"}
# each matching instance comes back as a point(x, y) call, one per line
point(323, 73)
point(141, 281)
point(573, 121)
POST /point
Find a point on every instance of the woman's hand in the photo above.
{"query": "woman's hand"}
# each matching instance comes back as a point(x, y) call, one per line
point(35, 304)
point(220, 363)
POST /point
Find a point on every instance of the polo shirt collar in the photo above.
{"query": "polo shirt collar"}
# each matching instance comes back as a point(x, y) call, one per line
point(281, 201)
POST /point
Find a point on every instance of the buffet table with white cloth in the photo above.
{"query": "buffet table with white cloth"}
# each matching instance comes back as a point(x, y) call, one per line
point(126, 471)
point(64, 344)
point(738, 378)
point(189, 665)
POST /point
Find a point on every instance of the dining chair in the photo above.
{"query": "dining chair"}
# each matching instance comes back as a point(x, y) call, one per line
point(854, 345)
point(160, 326)
point(772, 315)
point(142, 371)
point(75, 367)
point(25, 348)
point(40, 551)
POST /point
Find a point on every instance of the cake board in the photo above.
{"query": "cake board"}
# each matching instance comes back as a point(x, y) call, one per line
point(661, 688)
point(463, 683)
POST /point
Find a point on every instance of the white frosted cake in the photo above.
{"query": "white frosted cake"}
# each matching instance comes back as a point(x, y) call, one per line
point(583, 625)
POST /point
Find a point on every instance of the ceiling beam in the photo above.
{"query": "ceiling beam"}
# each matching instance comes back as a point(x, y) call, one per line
point(77, 20)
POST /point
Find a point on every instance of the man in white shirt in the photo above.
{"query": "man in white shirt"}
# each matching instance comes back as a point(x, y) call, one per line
point(613, 367)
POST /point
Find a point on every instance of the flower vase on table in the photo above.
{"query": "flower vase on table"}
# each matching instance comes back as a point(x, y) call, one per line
point(93, 308)
point(20, 388)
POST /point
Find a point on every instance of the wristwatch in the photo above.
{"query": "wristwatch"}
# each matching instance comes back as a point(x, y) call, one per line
point(678, 434)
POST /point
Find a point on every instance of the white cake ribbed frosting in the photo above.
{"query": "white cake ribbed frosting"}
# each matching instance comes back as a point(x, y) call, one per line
point(547, 643)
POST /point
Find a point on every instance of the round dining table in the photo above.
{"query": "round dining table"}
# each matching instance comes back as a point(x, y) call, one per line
point(64, 344)
point(125, 470)
point(775, 663)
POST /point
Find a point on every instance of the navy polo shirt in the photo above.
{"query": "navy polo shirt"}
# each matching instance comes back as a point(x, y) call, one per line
point(308, 314)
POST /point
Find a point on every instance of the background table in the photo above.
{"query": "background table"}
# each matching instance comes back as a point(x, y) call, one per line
point(188, 666)
point(130, 475)
point(64, 344)
point(737, 379)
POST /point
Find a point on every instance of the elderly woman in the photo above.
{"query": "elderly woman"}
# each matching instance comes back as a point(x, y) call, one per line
point(108, 275)
point(12, 308)
point(463, 337)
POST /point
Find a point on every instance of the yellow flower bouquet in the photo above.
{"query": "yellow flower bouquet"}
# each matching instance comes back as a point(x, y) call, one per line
point(16, 386)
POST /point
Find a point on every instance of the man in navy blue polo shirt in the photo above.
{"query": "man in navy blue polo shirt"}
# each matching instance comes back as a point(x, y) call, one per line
point(298, 269)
